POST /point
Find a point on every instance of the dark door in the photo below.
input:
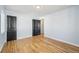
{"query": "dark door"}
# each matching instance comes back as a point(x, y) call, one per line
point(36, 27)
point(11, 28)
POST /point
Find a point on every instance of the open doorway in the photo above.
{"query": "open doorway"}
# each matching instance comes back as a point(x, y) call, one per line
point(42, 26)
point(11, 28)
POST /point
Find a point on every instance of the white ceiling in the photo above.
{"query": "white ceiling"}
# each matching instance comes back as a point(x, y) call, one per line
point(44, 9)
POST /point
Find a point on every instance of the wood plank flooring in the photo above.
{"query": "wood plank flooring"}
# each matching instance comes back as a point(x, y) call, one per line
point(38, 44)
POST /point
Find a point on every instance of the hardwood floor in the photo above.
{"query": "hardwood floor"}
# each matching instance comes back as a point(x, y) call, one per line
point(38, 44)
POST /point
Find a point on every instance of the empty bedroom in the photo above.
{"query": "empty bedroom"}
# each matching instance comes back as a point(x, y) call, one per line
point(39, 28)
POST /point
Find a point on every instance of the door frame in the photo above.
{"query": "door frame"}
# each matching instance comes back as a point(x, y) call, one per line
point(16, 25)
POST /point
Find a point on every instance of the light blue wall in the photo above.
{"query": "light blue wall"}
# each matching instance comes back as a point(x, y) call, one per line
point(2, 35)
point(24, 23)
point(24, 26)
point(63, 25)
point(77, 24)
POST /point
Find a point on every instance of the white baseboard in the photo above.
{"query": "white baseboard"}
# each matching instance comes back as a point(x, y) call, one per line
point(62, 41)
point(24, 37)
point(2, 46)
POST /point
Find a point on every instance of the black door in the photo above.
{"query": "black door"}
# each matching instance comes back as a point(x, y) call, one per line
point(36, 27)
point(11, 28)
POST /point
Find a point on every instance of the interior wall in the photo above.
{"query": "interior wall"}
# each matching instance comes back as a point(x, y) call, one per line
point(24, 24)
point(77, 24)
point(2, 35)
point(63, 25)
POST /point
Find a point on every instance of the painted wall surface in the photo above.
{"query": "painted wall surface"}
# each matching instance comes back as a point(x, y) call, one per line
point(24, 24)
point(3, 34)
point(63, 25)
